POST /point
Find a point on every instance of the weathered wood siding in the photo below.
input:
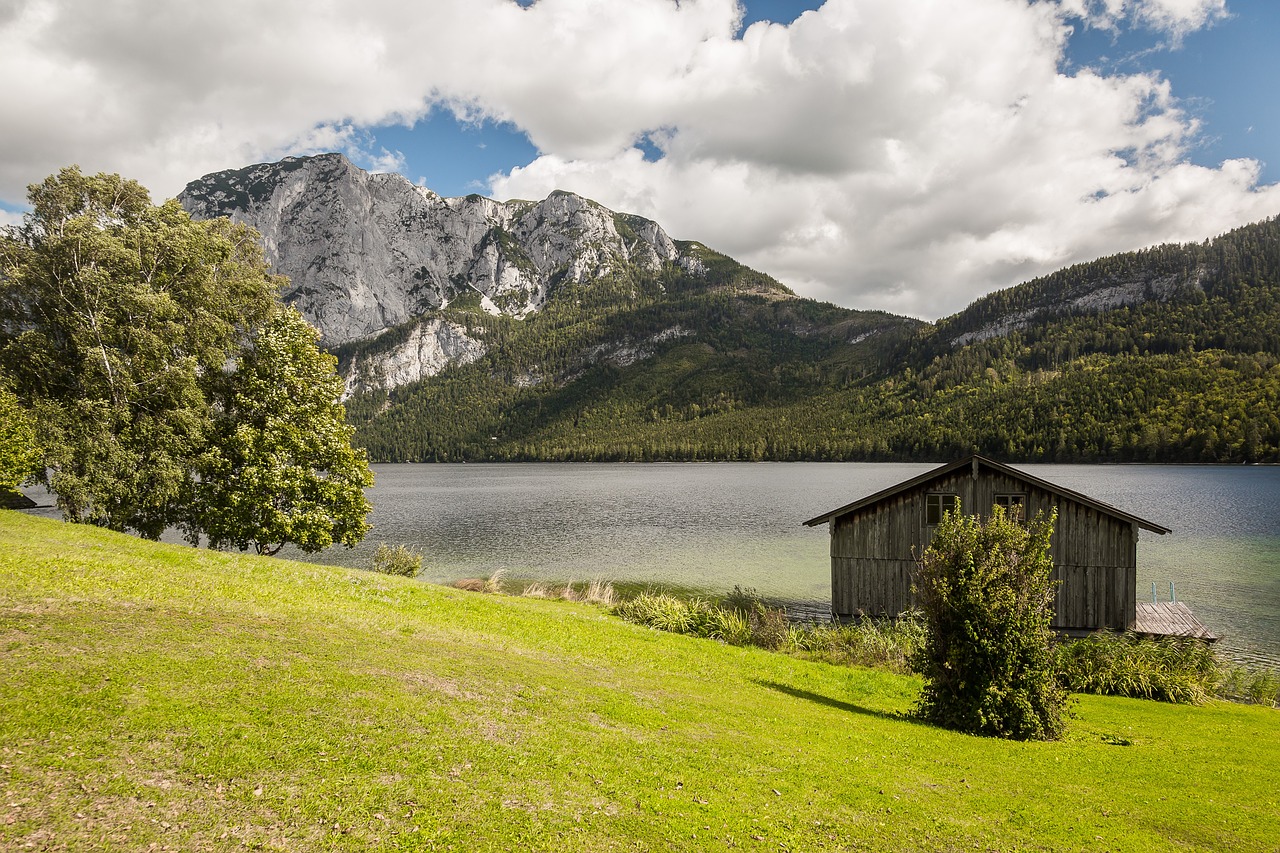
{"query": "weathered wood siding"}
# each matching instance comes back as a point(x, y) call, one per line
point(873, 552)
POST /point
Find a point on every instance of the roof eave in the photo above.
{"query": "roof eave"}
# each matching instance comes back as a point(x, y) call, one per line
point(943, 470)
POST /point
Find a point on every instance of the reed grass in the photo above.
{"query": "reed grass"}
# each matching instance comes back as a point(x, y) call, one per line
point(599, 592)
point(1250, 686)
point(1172, 669)
point(1179, 671)
point(493, 586)
point(537, 589)
point(742, 619)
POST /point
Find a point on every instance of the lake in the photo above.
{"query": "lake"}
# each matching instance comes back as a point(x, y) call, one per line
point(708, 527)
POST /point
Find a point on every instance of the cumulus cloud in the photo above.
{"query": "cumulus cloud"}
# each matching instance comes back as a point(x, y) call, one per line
point(876, 153)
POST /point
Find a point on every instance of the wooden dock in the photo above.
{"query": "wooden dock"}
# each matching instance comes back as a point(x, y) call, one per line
point(1170, 619)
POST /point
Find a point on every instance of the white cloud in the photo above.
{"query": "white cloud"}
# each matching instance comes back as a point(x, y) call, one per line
point(877, 153)
point(1175, 18)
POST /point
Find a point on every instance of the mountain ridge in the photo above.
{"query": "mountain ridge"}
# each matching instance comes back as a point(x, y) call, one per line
point(1165, 354)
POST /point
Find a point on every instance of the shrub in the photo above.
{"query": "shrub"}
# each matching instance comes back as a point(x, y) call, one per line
point(987, 600)
point(396, 560)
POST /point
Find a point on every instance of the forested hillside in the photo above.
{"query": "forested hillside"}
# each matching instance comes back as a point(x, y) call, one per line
point(1168, 354)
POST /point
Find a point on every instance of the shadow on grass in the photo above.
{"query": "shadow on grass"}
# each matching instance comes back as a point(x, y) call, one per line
point(839, 705)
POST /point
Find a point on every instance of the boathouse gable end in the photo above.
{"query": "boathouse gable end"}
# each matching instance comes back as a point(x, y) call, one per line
point(875, 542)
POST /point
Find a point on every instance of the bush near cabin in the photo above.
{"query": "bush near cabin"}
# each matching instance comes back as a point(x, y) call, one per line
point(987, 599)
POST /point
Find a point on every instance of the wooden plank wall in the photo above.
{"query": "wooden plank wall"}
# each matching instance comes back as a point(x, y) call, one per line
point(873, 552)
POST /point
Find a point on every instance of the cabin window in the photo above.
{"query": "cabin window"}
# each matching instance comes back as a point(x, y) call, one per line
point(1014, 506)
point(936, 506)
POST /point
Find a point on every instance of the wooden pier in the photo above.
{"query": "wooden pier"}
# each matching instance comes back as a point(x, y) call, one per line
point(1170, 619)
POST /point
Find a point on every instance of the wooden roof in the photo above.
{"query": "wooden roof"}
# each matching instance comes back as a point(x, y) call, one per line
point(14, 499)
point(975, 461)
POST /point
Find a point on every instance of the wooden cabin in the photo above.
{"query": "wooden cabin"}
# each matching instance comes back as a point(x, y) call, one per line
point(874, 542)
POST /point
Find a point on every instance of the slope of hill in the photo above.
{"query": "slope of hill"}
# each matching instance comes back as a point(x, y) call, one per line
point(158, 696)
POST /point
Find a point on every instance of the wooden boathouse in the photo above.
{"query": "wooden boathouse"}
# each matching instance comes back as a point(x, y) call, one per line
point(875, 540)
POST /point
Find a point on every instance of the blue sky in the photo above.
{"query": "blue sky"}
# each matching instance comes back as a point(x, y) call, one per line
point(1221, 72)
point(907, 155)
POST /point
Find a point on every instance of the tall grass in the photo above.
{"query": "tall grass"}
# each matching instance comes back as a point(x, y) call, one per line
point(743, 619)
point(880, 643)
point(1250, 686)
point(396, 560)
point(696, 616)
point(1181, 671)
point(1172, 669)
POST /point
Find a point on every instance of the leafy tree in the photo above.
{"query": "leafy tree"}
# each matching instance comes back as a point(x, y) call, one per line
point(112, 313)
point(987, 599)
point(18, 450)
point(280, 467)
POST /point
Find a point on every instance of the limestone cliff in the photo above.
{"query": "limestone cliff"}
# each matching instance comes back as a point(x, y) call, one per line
point(365, 252)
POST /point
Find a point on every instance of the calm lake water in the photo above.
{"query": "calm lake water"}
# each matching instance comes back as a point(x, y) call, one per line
point(709, 527)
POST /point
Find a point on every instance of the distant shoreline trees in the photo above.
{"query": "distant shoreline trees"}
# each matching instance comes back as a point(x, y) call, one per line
point(127, 330)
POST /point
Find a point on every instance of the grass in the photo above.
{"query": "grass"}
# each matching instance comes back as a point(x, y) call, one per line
point(1169, 669)
point(160, 695)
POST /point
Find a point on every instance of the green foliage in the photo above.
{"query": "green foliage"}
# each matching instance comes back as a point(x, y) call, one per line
point(396, 560)
point(118, 321)
point(1170, 669)
point(743, 618)
point(881, 643)
point(696, 617)
point(280, 467)
point(1249, 686)
point(112, 313)
point(1189, 374)
point(987, 599)
point(18, 449)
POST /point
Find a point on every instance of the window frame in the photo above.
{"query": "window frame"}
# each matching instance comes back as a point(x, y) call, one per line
point(939, 504)
point(1008, 500)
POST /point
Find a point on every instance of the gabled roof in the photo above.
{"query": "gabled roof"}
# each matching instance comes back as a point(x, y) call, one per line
point(975, 461)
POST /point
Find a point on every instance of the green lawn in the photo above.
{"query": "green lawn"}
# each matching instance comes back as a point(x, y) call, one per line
point(154, 694)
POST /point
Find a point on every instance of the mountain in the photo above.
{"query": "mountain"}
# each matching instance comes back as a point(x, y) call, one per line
point(470, 329)
point(365, 252)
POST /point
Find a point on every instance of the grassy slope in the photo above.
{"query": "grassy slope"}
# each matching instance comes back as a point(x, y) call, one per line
point(203, 701)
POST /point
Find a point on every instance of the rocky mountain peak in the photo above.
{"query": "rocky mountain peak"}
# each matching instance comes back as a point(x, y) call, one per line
point(364, 252)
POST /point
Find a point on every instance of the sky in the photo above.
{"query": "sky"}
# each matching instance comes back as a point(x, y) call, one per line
point(903, 155)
